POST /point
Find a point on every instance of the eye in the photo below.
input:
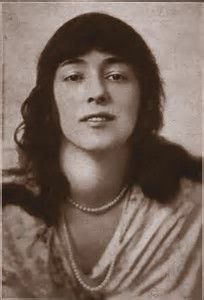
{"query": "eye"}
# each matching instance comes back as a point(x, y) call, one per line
point(116, 77)
point(73, 77)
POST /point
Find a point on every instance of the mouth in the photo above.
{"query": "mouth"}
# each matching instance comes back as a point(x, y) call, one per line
point(98, 118)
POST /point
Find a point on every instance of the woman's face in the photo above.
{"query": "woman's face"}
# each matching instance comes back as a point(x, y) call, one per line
point(97, 96)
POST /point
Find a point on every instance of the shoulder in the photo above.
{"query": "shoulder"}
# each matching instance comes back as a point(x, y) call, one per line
point(189, 197)
point(22, 220)
point(191, 188)
point(25, 251)
point(15, 218)
point(188, 191)
point(20, 229)
point(186, 204)
point(163, 165)
point(22, 234)
point(24, 197)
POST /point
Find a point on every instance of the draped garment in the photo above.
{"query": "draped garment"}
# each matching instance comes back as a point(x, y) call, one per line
point(156, 248)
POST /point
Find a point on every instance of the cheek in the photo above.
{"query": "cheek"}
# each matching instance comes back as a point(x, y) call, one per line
point(65, 107)
point(129, 104)
point(129, 119)
point(64, 99)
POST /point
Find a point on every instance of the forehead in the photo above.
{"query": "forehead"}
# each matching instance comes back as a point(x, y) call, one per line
point(94, 57)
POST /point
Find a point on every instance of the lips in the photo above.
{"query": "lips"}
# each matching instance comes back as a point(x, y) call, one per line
point(99, 117)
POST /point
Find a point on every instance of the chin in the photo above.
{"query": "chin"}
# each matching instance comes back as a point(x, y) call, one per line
point(101, 145)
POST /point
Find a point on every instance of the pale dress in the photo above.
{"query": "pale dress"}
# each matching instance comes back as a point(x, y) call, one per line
point(156, 248)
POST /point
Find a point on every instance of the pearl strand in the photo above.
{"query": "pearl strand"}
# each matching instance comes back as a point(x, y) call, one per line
point(101, 208)
point(77, 272)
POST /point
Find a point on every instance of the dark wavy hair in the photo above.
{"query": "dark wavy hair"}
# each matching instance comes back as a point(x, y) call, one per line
point(157, 165)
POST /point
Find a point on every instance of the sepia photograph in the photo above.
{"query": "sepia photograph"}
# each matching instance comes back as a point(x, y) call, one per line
point(102, 150)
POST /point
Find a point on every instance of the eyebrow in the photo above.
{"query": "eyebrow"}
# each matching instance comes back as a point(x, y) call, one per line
point(108, 60)
point(75, 60)
point(114, 60)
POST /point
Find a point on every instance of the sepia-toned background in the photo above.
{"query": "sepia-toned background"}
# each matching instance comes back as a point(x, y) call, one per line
point(172, 30)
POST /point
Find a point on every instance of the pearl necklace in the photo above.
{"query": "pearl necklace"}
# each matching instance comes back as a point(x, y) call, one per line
point(100, 208)
point(78, 275)
point(73, 263)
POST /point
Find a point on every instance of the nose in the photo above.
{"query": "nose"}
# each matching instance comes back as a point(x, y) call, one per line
point(97, 92)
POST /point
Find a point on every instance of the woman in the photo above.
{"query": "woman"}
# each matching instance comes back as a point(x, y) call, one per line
point(108, 209)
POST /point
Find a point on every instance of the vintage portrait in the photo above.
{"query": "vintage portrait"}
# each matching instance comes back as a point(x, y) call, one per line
point(102, 166)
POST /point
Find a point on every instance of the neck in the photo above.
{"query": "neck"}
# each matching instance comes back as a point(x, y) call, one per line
point(94, 178)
